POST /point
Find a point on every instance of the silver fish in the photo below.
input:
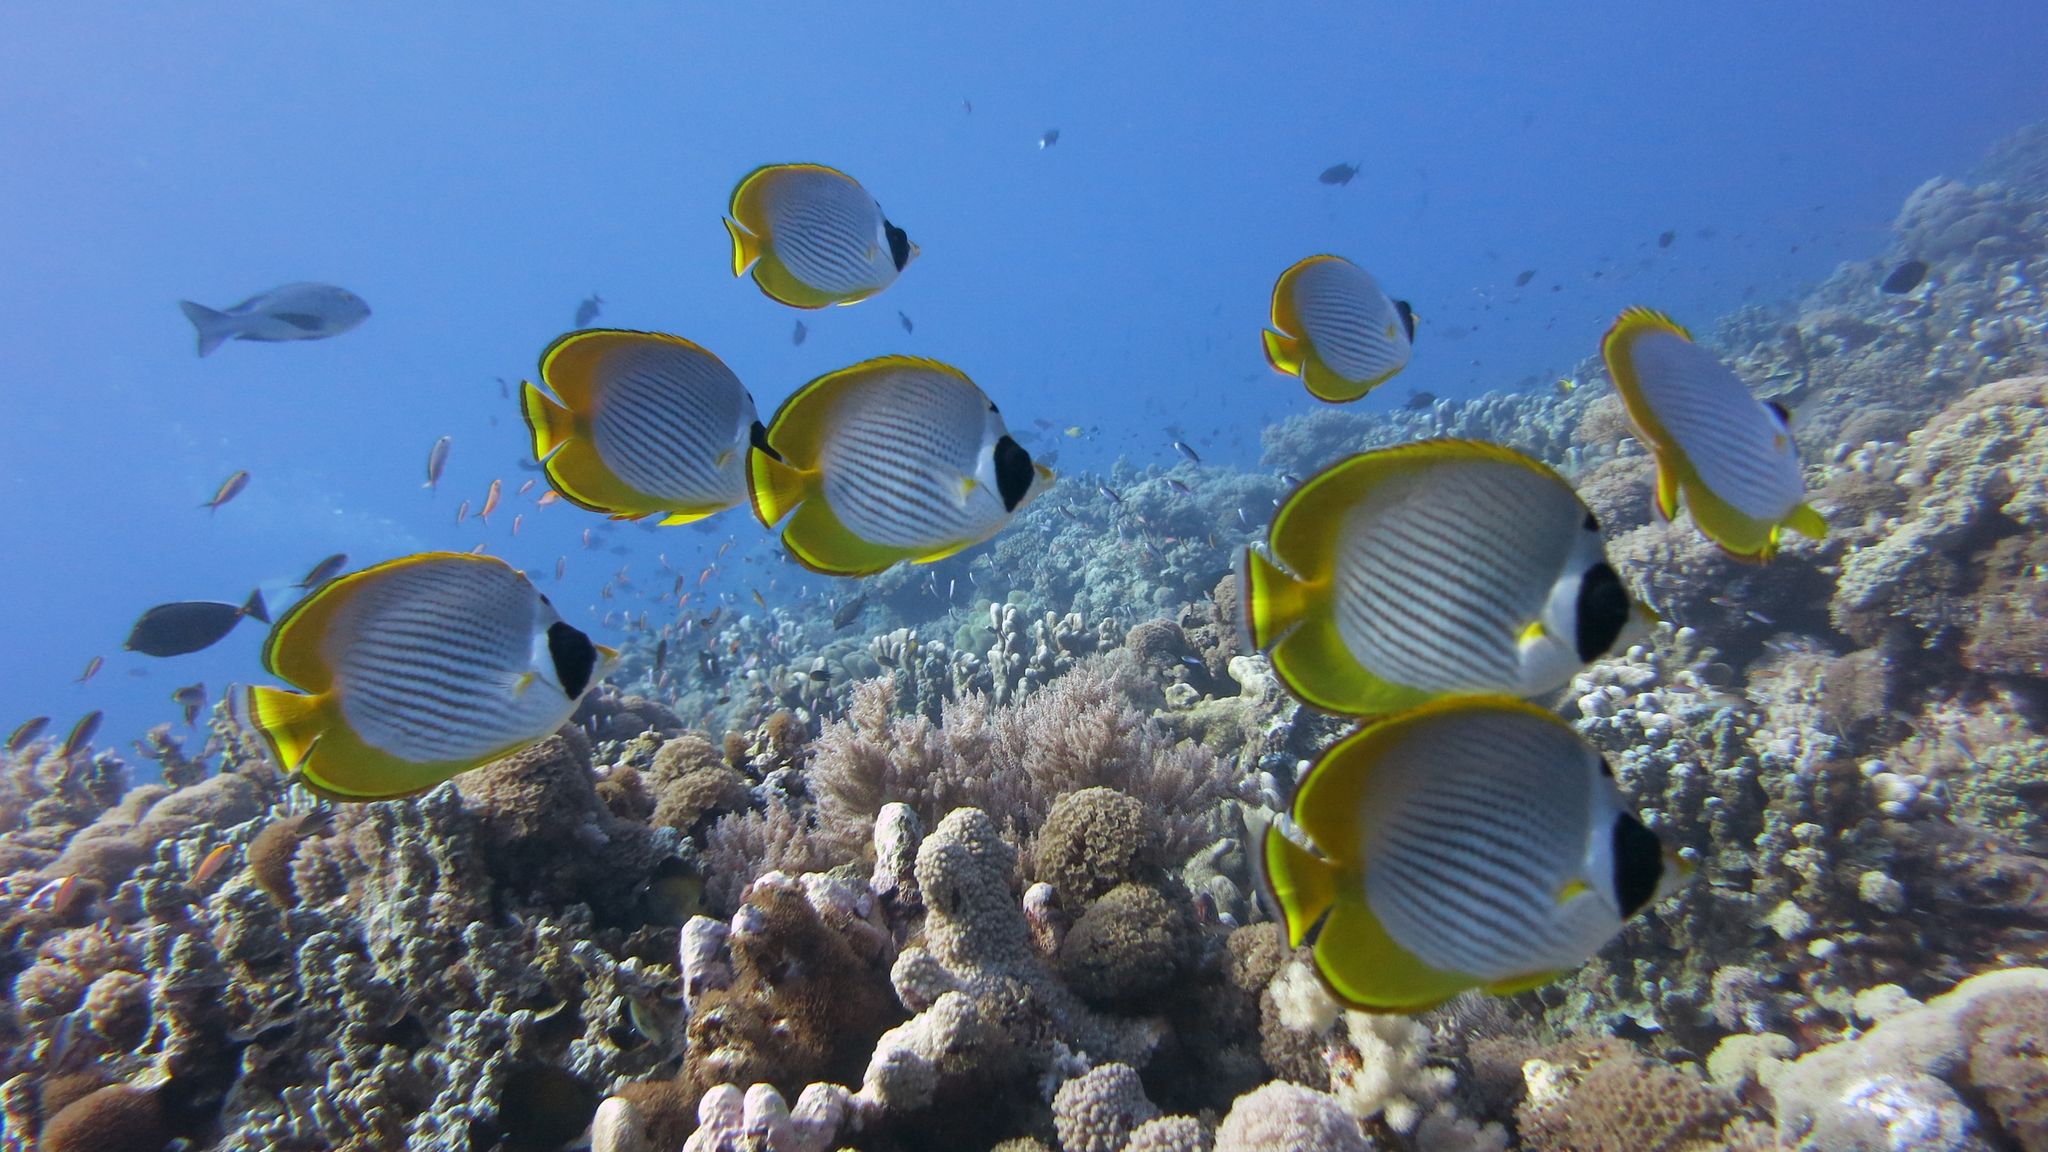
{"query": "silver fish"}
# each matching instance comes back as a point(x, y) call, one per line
point(437, 459)
point(300, 311)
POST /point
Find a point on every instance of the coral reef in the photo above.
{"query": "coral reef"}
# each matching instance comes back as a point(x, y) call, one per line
point(961, 857)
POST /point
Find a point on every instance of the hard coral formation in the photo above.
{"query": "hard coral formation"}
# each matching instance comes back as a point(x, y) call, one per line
point(1283, 1117)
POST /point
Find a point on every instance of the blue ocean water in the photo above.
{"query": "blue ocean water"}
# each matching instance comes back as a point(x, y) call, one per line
point(475, 172)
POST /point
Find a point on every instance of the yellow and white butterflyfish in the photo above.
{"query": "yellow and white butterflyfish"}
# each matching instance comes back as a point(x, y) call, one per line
point(415, 670)
point(889, 460)
point(1729, 455)
point(641, 424)
point(1337, 330)
point(1477, 842)
point(1438, 568)
point(813, 237)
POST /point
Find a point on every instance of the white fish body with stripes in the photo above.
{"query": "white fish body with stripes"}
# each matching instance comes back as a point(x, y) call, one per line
point(418, 669)
point(303, 311)
point(1444, 567)
point(813, 237)
point(1477, 842)
point(640, 424)
point(889, 460)
point(1729, 455)
point(1337, 330)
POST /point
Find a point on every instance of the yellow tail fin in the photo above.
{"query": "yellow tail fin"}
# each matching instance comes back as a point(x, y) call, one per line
point(551, 424)
point(746, 247)
point(1808, 522)
point(290, 722)
point(1283, 352)
point(1271, 599)
point(774, 487)
point(1302, 885)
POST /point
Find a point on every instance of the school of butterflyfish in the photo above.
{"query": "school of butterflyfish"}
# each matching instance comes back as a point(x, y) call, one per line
point(1464, 836)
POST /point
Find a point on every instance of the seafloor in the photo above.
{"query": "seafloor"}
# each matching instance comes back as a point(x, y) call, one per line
point(978, 880)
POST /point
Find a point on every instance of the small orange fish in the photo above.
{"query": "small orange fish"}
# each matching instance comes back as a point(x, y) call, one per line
point(516, 520)
point(491, 500)
point(724, 546)
point(92, 669)
point(59, 896)
point(758, 598)
point(211, 866)
point(81, 734)
point(705, 575)
point(525, 488)
point(549, 497)
point(228, 490)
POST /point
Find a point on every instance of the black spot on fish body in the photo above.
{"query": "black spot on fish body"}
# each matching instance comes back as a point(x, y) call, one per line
point(758, 437)
point(1904, 278)
point(1014, 472)
point(1592, 522)
point(1783, 413)
point(899, 245)
point(542, 1108)
point(1407, 318)
point(1603, 610)
point(1638, 865)
point(575, 658)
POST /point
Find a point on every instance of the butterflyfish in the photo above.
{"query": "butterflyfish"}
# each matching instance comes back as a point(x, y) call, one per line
point(646, 424)
point(1439, 568)
point(1336, 329)
point(415, 670)
point(891, 459)
point(813, 237)
point(1729, 455)
point(1471, 843)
